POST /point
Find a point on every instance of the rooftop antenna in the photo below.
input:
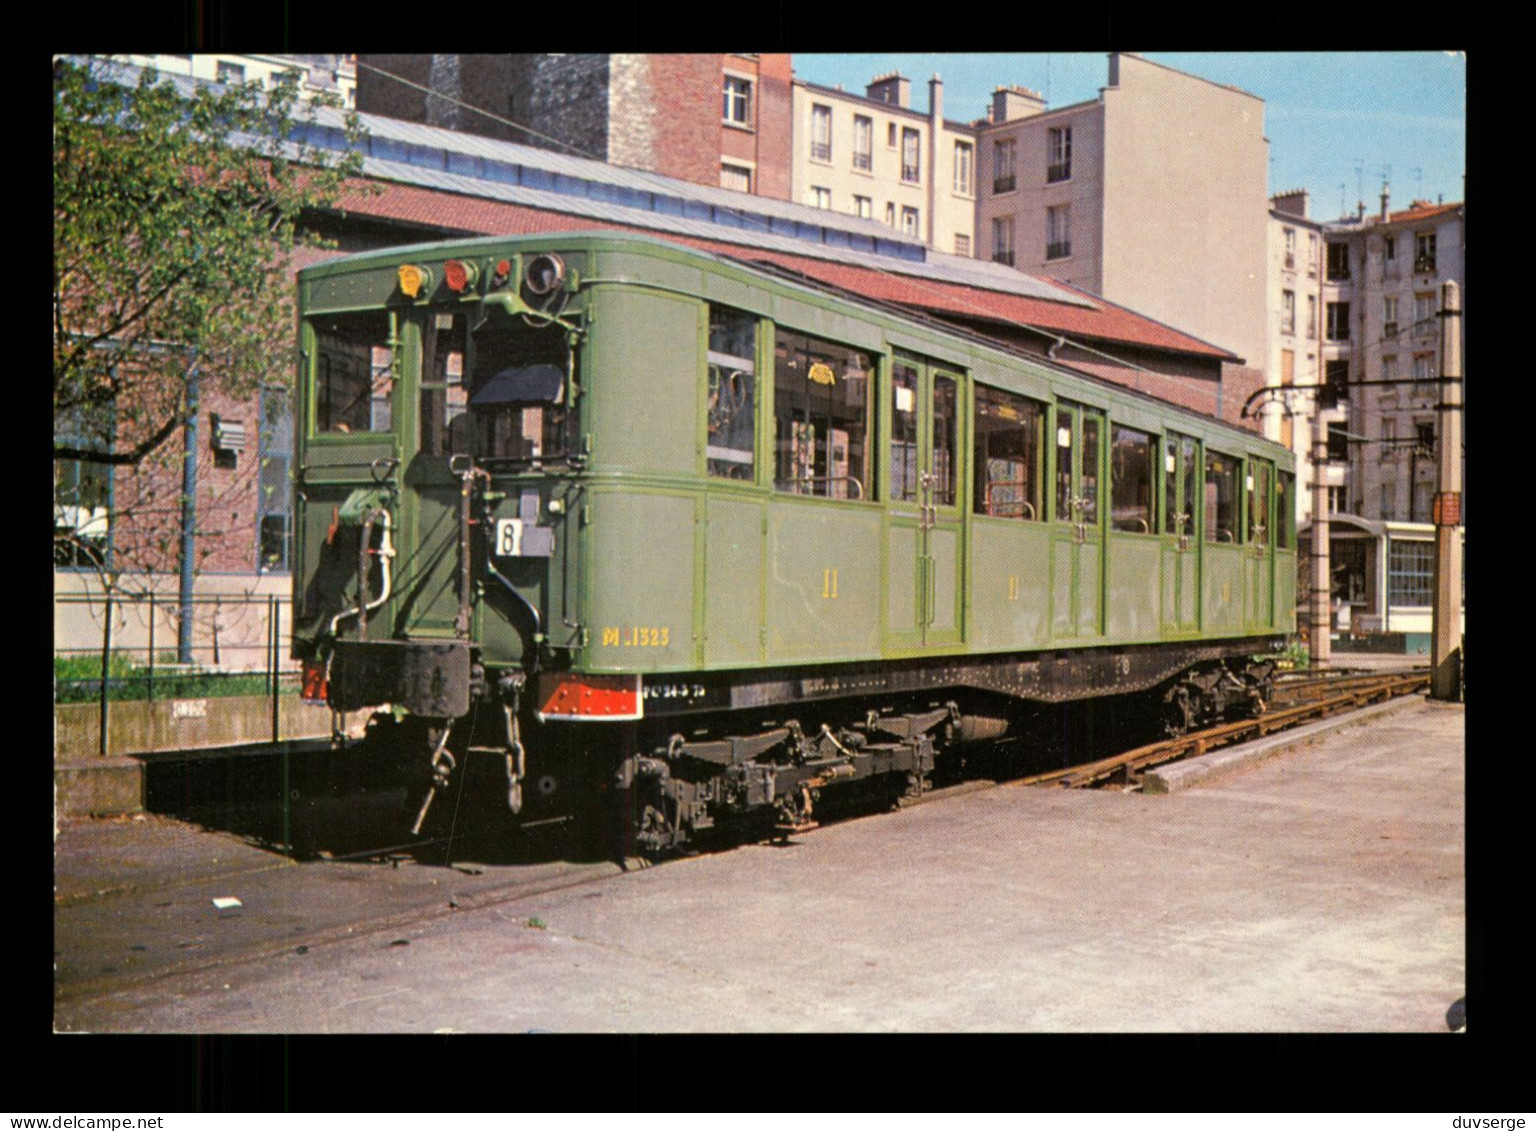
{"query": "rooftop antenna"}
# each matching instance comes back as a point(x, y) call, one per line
point(1418, 183)
point(1343, 210)
point(1360, 183)
point(1047, 79)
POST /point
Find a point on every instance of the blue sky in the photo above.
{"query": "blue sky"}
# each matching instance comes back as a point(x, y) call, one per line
point(1336, 121)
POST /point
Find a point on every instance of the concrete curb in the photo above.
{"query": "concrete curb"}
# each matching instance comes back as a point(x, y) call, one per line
point(1181, 775)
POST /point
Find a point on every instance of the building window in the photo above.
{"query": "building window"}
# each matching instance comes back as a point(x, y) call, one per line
point(1389, 249)
point(965, 168)
point(1290, 248)
point(820, 197)
point(864, 206)
point(962, 245)
point(1002, 165)
point(738, 101)
point(82, 492)
point(909, 222)
point(821, 407)
point(1059, 141)
point(732, 404)
point(1009, 451)
point(911, 169)
point(1335, 382)
point(863, 143)
point(1002, 240)
point(1423, 374)
point(1058, 226)
point(1389, 316)
point(1389, 372)
point(736, 177)
point(890, 214)
point(1312, 317)
point(1338, 322)
point(821, 133)
point(1410, 573)
point(1287, 312)
point(274, 499)
point(1338, 444)
point(1424, 251)
point(1312, 254)
point(1424, 313)
point(231, 73)
point(1338, 261)
point(890, 135)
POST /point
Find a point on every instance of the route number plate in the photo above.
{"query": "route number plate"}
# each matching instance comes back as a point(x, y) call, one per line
point(509, 537)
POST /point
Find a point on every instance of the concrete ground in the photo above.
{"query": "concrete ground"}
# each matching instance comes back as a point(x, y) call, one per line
point(1319, 890)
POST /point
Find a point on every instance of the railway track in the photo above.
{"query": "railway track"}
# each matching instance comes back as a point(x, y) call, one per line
point(1296, 701)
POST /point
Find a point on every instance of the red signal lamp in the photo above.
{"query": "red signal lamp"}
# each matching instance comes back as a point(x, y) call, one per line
point(459, 275)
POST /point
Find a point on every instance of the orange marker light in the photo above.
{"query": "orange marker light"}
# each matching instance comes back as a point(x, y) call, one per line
point(413, 279)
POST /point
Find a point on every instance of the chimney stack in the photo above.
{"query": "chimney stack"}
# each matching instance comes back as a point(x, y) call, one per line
point(1012, 102)
point(894, 88)
point(1386, 196)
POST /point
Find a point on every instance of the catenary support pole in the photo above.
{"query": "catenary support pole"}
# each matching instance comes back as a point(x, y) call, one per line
point(1322, 589)
point(1445, 653)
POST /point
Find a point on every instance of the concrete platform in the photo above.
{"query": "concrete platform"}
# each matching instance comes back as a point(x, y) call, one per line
point(1318, 890)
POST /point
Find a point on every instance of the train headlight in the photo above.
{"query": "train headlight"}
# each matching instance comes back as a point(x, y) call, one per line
point(544, 274)
point(414, 280)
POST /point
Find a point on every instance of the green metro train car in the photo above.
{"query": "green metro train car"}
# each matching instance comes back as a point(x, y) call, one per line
point(623, 519)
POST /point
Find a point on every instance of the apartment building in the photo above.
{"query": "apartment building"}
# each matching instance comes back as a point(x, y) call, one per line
point(1295, 281)
point(1153, 195)
point(876, 157)
point(720, 120)
point(1381, 301)
point(335, 74)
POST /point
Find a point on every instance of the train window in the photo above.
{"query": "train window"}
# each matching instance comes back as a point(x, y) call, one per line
point(444, 400)
point(1285, 510)
point(1258, 502)
point(1008, 449)
point(1182, 468)
point(732, 394)
point(1091, 427)
point(1130, 481)
point(354, 372)
point(517, 391)
point(904, 458)
point(1220, 497)
point(821, 418)
point(945, 397)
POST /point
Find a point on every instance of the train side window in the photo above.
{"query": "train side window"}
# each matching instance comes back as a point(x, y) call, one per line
point(1285, 510)
point(946, 396)
point(732, 394)
point(444, 399)
point(1091, 429)
point(1130, 482)
point(904, 458)
point(1257, 482)
point(1008, 449)
point(1220, 497)
point(517, 391)
point(354, 372)
point(821, 409)
point(1182, 467)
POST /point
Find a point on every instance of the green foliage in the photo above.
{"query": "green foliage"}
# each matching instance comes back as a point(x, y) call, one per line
point(174, 217)
point(77, 679)
point(1296, 656)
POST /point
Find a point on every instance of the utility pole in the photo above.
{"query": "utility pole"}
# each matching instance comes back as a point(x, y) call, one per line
point(1322, 588)
point(1445, 655)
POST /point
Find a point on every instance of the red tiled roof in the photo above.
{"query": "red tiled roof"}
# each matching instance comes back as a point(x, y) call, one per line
point(1421, 210)
point(1104, 321)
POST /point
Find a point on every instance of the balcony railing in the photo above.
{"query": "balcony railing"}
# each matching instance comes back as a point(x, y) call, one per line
point(910, 173)
point(1059, 250)
point(1003, 257)
point(1423, 264)
point(862, 161)
point(1060, 171)
point(1290, 261)
point(1389, 329)
point(821, 151)
point(1003, 184)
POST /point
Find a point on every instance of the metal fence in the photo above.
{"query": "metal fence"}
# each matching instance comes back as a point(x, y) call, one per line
point(131, 646)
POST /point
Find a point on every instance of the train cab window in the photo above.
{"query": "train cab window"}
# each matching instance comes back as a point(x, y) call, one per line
point(1220, 498)
point(517, 396)
point(354, 372)
point(1257, 483)
point(821, 411)
point(1181, 467)
point(732, 394)
point(1008, 455)
point(444, 399)
point(1130, 481)
point(1285, 510)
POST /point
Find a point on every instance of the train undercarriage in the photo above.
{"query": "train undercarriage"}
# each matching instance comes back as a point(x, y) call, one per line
point(765, 758)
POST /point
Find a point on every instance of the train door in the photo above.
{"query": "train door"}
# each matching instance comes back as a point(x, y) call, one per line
point(1077, 524)
point(431, 587)
point(924, 537)
point(1181, 534)
point(1261, 544)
